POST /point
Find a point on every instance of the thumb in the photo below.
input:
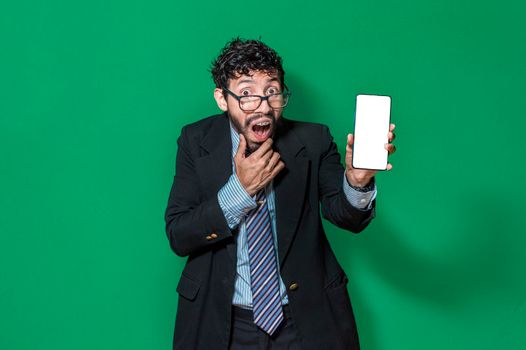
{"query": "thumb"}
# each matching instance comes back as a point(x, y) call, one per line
point(242, 147)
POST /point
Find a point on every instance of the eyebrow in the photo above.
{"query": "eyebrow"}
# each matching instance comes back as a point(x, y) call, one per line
point(245, 81)
point(248, 80)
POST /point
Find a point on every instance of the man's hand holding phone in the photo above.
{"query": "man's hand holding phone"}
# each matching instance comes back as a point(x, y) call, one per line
point(362, 177)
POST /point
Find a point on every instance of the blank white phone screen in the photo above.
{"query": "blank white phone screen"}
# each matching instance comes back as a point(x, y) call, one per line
point(371, 126)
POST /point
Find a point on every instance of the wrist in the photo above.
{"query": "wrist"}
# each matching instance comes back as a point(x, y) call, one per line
point(362, 185)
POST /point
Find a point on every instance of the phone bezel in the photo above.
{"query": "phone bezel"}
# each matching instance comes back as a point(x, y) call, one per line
point(354, 127)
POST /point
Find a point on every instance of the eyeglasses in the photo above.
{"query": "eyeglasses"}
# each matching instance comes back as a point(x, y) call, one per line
point(250, 103)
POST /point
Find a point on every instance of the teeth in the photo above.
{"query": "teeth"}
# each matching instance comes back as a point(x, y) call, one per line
point(263, 124)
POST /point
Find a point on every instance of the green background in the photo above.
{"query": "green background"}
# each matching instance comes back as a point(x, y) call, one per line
point(93, 95)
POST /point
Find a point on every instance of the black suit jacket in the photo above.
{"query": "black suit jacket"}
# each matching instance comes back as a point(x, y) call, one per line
point(197, 228)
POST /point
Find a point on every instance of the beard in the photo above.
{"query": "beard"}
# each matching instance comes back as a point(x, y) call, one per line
point(246, 129)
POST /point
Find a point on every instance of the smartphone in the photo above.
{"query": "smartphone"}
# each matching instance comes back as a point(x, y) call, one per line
point(371, 126)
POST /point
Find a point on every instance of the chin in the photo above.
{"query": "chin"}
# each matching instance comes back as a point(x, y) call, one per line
point(253, 146)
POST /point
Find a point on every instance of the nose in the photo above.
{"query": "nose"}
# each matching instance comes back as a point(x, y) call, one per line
point(264, 108)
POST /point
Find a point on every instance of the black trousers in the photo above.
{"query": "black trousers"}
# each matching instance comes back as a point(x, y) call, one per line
point(247, 336)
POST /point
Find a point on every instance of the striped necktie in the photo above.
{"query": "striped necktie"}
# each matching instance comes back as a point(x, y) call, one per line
point(264, 279)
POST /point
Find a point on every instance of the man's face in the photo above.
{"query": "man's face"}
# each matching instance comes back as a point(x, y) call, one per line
point(260, 124)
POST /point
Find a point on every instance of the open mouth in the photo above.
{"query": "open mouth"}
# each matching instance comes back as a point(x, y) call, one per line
point(262, 130)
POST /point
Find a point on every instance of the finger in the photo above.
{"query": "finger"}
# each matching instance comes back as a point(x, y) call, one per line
point(392, 127)
point(264, 160)
point(389, 167)
point(390, 148)
point(350, 139)
point(241, 148)
point(391, 136)
point(348, 151)
point(280, 166)
point(272, 162)
point(263, 149)
point(350, 142)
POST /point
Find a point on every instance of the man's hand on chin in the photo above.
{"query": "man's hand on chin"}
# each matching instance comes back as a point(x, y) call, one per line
point(259, 168)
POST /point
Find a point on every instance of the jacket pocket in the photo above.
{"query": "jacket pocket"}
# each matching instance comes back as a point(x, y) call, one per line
point(336, 290)
point(336, 281)
point(188, 287)
point(342, 312)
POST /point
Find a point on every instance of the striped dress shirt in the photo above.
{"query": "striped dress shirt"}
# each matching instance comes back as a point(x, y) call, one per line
point(236, 203)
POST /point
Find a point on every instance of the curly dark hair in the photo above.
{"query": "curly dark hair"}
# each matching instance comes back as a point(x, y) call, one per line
point(240, 57)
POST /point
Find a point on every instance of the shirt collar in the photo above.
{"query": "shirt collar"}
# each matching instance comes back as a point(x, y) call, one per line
point(235, 139)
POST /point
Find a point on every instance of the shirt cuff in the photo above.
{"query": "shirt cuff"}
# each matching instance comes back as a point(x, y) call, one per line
point(360, 200)
point(234, 201)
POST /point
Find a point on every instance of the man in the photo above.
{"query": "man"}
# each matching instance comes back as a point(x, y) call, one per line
point(244, 208)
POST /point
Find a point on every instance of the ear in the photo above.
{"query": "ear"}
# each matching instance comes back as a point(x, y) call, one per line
point(220, 99)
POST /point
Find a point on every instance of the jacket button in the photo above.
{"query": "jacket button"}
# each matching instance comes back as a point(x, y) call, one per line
point(293, 286)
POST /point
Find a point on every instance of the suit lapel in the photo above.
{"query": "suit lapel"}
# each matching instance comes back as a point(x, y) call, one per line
point(289, 187)
point(215, 165)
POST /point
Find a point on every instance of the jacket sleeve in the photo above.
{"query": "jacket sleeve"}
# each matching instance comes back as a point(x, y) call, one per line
point(334, 204)
point(194, 222)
